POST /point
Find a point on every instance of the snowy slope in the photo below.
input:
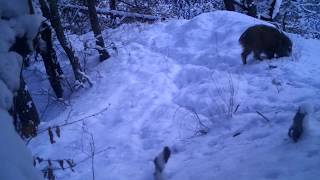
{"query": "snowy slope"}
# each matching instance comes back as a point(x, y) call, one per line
point(165, 75)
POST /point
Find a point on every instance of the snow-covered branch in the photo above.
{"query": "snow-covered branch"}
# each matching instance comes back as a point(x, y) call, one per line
point(113, 12)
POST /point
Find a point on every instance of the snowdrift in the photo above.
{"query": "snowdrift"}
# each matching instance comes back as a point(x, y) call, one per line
point(182, 84)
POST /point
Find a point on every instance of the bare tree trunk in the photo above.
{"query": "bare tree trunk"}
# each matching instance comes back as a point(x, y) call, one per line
point(97, 31)
point(48, 53)
point(113, 6)
point(31, 10)
point(251, 8)
point(50, 61)
point(24, 111)
point(45, 9)
point(229, 5)
point(26, 114)
point(272, 11)
point(56, 24)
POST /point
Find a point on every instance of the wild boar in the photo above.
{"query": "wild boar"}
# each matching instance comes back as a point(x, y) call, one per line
point(264, 39)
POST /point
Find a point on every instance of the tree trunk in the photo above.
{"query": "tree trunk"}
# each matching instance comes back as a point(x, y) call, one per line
point(45, 9)
point(25, 112)
point(31, 10)
point(229, 5)
point(251, 8)
point(272, 11)
point(50, 61)
point(48, 54)
point(56, 24)
point(113, 6)
point(97, 31)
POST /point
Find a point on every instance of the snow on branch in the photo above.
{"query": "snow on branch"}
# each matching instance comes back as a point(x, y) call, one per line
point(113, 12)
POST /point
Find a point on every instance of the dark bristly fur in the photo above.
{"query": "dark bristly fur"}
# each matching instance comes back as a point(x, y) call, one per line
point(264, 39)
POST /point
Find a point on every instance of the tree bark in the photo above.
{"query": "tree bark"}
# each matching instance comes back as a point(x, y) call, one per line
point(269, 14)
point(50, 61)
point(45, 9)
point(56, 24)
point(113, 6)
point(31, 10)
point(251, 8)
point(103, 53)
point(27, 118)
point(229, 5)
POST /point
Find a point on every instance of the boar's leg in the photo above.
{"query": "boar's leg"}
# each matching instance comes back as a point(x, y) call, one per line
point(257, 55)
point(270, 54)
point(244, 55)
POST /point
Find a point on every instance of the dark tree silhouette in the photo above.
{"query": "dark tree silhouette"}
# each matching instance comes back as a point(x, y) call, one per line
point(103, 53)
point(56, 24)
point(113, 6)
point(251, 8)
point(269, 14)
point(50, 61)
point(26, 118)
point(48, 53)
point(228, 4)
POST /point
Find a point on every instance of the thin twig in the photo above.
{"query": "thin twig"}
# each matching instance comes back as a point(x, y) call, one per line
point(264, 117)
point(199, 120)
point(69, 123)
point(80, 162)
point(236, 108)
point(76, 121)
point(93, 152)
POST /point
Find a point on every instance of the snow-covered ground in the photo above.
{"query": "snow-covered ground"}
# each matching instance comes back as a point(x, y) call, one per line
point(182, 84)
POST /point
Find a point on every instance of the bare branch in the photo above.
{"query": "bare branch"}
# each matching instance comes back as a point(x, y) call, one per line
point(114, 12)
point(264, 117)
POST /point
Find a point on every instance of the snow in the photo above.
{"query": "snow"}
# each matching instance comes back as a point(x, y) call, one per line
point(13, 8)
point(26, 26)
point(10, 72)
point(182, 84)
point(16, 159)
point(6, 96)
point(9, 38)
